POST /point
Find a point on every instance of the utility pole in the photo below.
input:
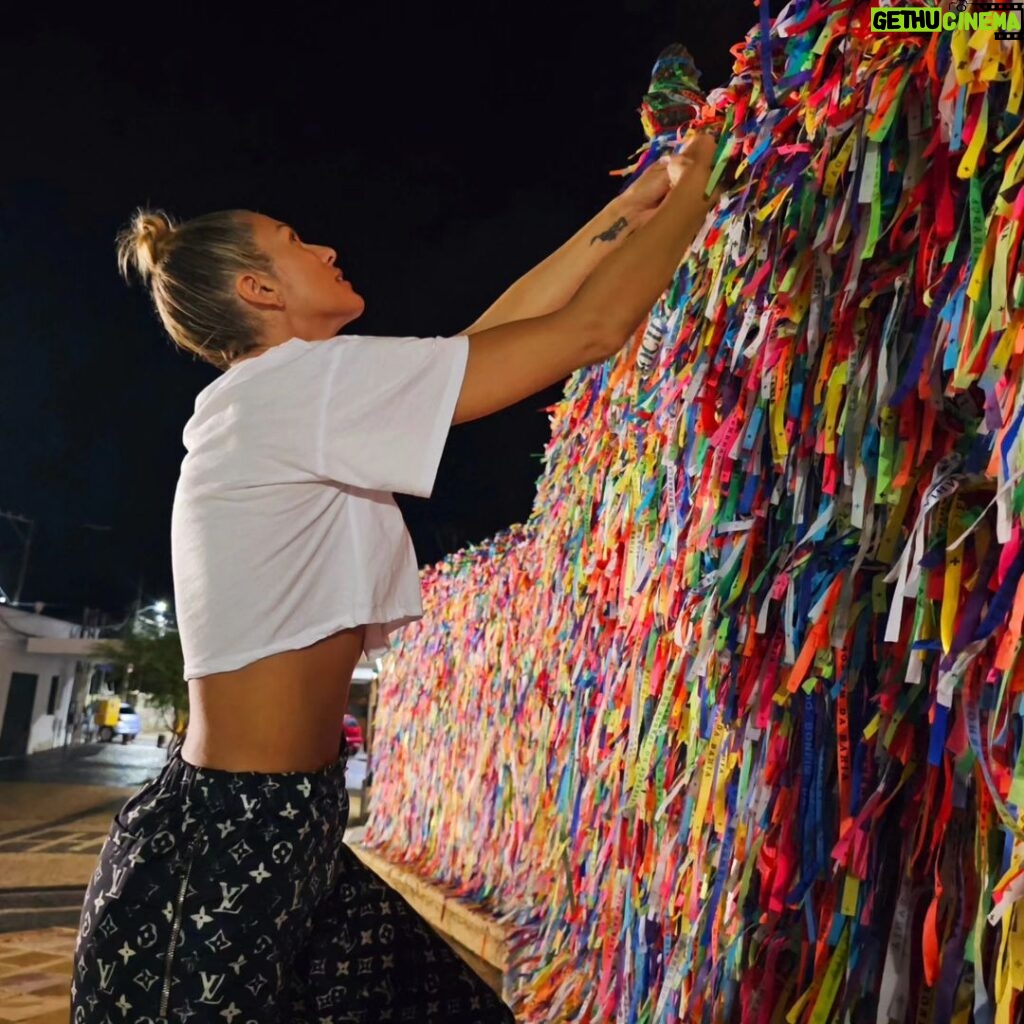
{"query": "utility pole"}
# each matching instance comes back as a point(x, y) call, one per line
point(138, 607)
point(26, 541)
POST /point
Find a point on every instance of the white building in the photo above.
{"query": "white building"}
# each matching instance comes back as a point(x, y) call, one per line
point(47, 667)
point(45, 664)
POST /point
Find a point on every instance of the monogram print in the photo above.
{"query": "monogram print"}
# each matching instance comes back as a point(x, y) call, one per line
point(230, 898)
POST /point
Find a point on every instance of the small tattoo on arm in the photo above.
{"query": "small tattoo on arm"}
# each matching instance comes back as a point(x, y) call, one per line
point(612, 233)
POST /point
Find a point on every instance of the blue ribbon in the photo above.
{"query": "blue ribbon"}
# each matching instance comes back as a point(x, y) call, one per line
point(766, 56)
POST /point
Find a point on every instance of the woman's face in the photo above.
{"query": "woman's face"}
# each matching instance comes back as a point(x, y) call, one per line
point(313, 292)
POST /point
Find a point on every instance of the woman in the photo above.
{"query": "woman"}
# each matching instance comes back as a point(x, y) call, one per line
point(224, 892)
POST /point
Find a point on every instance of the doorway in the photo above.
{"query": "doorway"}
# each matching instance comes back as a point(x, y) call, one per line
point(17, 725)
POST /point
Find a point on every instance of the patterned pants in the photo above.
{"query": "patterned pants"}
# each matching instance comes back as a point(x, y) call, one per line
point(229, 898)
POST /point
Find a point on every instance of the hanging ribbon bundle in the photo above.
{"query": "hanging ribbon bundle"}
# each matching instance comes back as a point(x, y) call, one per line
point(672, 103)
point(731, 728)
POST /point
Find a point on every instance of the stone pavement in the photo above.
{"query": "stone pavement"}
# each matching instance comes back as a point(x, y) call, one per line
point(43, 874)
point(35, 968)
point(51, 832)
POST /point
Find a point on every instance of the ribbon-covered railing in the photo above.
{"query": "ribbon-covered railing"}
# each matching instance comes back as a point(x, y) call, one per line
point(731, 728)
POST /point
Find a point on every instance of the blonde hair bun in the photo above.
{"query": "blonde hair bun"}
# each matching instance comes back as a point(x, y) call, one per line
point(191, 271)
point(143, 243)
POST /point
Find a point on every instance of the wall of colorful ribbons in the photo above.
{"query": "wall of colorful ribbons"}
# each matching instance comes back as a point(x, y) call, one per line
point(731, 728)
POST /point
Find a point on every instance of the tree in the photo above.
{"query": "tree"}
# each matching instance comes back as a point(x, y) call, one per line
point(153, 665)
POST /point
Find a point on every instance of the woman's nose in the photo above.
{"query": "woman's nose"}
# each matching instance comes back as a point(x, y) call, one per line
point(329, 256)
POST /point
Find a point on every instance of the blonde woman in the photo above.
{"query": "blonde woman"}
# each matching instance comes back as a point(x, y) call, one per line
point(224, 892)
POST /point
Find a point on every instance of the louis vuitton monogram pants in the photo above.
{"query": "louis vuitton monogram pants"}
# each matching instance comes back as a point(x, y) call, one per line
point(229, 898)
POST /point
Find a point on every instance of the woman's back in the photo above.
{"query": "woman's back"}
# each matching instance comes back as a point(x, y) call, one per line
point(282, 713)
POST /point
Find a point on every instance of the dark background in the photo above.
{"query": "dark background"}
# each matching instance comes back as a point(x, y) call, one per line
point(442, 149)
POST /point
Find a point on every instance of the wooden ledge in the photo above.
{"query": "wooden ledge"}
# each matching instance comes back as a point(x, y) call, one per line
point(477, 937)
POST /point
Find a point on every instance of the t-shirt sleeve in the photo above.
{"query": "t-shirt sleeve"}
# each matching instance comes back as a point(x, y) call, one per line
point(387, 407)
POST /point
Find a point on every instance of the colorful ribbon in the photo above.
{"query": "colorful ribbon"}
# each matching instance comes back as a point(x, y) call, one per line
point(731, 728)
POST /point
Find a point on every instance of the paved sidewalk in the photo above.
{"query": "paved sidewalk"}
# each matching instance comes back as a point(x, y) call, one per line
point(35, 965)
point(50, 836)
point(55, 811)
point(35, 968)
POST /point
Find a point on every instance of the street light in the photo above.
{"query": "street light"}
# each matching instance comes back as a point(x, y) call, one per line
point(160, 620)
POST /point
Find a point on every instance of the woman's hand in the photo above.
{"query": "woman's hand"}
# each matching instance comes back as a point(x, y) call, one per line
point(647, 192)
point(698, 154)
point(641, 200)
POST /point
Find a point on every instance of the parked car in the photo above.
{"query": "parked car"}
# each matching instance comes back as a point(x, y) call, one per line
point(128, 726)
point(353, 734)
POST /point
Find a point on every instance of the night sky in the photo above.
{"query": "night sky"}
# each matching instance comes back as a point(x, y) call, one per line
point(442, 149)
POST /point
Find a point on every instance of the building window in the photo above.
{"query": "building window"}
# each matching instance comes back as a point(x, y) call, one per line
point(51, 705)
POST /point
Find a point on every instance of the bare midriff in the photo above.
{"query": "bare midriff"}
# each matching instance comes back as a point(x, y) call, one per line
point(283, 713)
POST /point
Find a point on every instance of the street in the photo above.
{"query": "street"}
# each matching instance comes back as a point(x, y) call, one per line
point(88, 764)
point(55, 810)
point(113, 764)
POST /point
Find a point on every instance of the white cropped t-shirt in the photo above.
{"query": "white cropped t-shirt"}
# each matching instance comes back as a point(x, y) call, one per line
point(284, 529)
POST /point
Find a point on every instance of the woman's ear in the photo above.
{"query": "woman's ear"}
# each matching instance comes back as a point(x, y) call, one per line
point(259, 290)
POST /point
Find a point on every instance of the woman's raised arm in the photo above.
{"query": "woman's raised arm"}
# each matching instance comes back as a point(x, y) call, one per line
point(512, 361)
